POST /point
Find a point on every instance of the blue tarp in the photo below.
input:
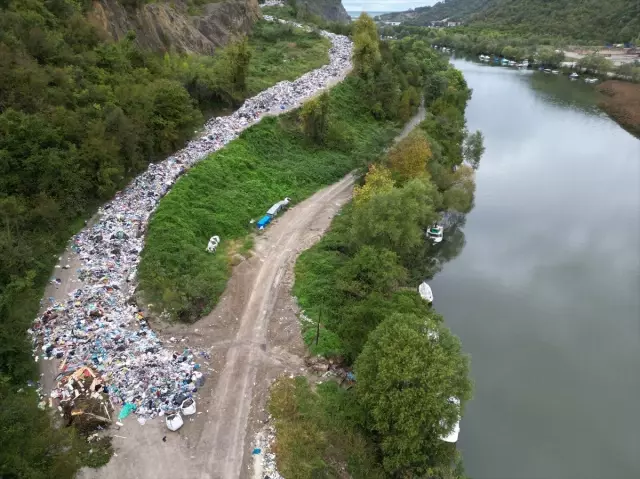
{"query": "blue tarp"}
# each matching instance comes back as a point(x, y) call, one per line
point(264, 221)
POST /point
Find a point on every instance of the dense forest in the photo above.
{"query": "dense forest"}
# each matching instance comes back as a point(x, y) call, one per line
point(79, 116)
point(613, 21)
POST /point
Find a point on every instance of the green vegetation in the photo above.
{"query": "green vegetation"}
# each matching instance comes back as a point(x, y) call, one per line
point(614, 21)
point(319, 430)
point(79, 117)
point(222, 194)
point(360, 283)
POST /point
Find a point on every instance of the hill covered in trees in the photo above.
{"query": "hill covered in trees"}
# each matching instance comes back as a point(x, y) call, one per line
point(587, 20)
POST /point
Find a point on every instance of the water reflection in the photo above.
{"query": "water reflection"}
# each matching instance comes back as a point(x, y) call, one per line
point(545, 293)
point(431, 258)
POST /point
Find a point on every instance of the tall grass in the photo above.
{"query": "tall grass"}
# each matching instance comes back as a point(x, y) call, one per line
point(223, 193)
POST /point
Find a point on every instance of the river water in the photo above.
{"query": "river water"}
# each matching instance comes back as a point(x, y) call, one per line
point(545, 294)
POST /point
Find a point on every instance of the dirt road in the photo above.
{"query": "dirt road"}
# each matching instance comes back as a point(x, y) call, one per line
point(252, 337)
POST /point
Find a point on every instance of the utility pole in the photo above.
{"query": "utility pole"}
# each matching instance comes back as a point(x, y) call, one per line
point(318, 326)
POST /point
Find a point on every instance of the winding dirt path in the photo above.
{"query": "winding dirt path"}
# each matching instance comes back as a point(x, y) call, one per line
point(225, 441)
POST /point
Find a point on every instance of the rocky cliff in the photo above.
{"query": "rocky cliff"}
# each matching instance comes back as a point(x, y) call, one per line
point(177, 24)
point(331, 10)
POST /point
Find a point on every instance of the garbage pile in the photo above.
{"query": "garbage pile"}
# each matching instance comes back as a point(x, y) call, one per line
point(272, 3)
point(98, 325)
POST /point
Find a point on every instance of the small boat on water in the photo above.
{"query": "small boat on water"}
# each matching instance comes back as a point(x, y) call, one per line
point(512, 63)
point(591, 80)
point(574, 76)
point(555, 72)
point(547, 70)
point(436, 233)
point(424, 290)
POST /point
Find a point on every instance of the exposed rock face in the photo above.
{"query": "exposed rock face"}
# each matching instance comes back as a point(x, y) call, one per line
point(167, 25)
point(331, 10)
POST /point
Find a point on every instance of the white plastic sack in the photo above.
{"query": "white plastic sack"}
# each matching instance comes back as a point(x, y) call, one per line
point(174, 422)
point(214, 241)
point(188, 407)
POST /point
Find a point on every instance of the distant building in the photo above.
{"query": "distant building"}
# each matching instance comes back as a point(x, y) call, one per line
point(445, 23)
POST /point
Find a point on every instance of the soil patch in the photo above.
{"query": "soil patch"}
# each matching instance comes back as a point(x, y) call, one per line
point(621, 100)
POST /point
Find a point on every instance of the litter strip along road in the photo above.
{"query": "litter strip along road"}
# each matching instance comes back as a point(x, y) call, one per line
point(98, 326)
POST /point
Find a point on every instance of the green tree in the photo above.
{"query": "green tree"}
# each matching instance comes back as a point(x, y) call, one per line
point(238, 57)
point(395, 219)
point(595, 63)
point(377, 180)
point(473, 149)
point(315, 118)
point(371, 270)
point(408, 370)
point(366, 52)
point(408, 159)
point(550, 57)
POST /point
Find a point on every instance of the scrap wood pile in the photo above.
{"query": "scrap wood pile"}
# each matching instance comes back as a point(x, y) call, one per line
point(97, 326)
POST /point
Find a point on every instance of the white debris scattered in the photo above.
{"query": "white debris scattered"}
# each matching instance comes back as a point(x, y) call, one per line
point(98, 325)
point(272, 3)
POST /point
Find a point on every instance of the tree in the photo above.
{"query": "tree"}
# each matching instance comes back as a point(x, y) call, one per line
point(595, 63)
point(408, 159)
point(550, 57)
point(371, 270)
point(408, 370)
point(315, 118)
point(459, 196)
point(238, 58)
point(377, 180)
point(395, 219)
point(366, 52)
point(473, 149)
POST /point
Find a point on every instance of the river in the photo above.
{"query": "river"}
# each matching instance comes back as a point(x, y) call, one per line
point(545, 294)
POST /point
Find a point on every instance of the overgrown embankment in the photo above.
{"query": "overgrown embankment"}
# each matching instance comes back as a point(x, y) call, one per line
point(358, 287)
point(220, 196)
point(80, 117)
point(621, 101)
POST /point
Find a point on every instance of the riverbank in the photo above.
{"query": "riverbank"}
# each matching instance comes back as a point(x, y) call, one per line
point(621, 101)
point(358, 288)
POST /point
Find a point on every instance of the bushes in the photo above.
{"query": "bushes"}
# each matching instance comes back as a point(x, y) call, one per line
point(363, 276)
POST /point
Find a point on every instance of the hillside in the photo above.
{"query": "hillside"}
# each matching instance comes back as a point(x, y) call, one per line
point(454, 10)
point(184, 26)
point(330, 10)
point(613, 21)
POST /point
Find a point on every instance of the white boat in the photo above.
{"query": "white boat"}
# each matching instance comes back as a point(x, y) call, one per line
point(555, 72)
point(455, 432)
point(425, 292)
point(574, 76)
point(512, 63)
point(591, 80)
point(436, 233)
point(547, 70)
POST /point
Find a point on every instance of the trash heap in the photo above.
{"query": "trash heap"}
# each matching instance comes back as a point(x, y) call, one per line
point(272, 3)
point(98, 325)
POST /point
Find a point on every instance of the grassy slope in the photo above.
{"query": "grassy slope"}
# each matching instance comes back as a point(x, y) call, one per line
point(223, 193)
point(285, 59)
